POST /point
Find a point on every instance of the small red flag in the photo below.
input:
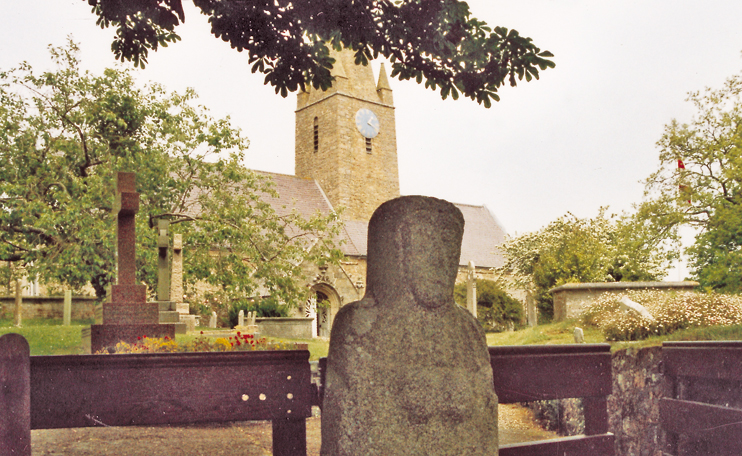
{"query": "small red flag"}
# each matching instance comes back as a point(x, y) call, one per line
point(684, 189)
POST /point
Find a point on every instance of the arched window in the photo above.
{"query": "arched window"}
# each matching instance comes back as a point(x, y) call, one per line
point(316, 135)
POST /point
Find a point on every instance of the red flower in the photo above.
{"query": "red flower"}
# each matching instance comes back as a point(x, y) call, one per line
point(202, 332)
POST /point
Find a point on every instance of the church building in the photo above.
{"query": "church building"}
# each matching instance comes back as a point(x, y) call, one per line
point(346, 156)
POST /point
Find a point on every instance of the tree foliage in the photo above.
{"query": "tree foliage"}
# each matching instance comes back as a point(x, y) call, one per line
point(570, 249)
point(495, 307)
point(699, 181)
point(67, 132)
point(433, 40)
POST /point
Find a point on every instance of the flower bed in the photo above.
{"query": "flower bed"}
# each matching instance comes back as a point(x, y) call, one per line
point(671, 313)
point(238, 342)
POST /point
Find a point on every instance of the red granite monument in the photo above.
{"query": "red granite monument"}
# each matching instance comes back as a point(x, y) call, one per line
point(126, 314)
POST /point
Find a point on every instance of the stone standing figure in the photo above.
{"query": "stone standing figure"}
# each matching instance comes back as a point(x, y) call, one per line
point(408, 370)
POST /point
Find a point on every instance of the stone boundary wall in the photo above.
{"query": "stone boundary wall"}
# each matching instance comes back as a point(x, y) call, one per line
point(634, 406)
point(285, 327)
point(571, 299)
point(51, 307)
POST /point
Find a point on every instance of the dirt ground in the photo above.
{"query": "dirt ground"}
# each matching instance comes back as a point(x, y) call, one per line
point(251, 438)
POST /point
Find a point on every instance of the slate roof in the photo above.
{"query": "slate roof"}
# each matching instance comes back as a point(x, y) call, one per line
point(306, 197)
point(482, 231)
point(482, 234)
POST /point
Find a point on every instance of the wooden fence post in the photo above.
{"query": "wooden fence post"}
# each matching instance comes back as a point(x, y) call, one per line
point(15, 397)
point(289, 437)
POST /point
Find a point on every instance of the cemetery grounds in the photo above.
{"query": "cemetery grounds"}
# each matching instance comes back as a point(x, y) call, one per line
point(49, 337)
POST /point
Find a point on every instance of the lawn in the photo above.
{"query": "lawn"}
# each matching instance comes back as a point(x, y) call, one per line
point(563, 333)
point(49, 337)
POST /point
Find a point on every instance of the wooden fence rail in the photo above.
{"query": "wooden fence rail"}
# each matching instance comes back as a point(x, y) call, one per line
point(42, 392)
point(703, 416)
point(545, 372)
point(45, 392)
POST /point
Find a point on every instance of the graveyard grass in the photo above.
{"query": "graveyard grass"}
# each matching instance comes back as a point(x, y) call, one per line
point(563, 333)
point(49, 337)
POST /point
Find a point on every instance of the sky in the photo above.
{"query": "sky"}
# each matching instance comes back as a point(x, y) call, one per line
point(581, 137)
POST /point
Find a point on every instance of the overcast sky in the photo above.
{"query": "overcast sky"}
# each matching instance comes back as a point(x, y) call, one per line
point(581, 137)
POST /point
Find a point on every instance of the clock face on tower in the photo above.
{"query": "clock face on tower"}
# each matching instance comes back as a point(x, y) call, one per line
point(367, 123)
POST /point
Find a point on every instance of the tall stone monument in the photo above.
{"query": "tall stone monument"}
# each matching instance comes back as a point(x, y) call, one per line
point(176, 287)
point(471, 288)
point(126, 314)
point(408, 370)
point(167, 305)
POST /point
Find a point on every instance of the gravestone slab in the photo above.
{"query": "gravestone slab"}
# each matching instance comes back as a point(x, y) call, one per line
point(579, 336)
point(408, 371)
point(633, 307)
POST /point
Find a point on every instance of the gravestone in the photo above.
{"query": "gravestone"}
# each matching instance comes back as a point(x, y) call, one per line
point(176, 286)
point(579, 336)
point(18, 310)
point(408, 370)
point(241, 318)
point(176, 276)
point(126, 315)
point(212, 320)
point(67, 310)
point(471, 289)
point(634, 308)
point(531, 309)
point(163, 260)
point(168, 312)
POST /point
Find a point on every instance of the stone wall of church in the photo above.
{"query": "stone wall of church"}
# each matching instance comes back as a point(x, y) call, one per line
point(351, 176)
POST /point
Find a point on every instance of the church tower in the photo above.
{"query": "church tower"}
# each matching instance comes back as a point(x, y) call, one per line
point(346, 138)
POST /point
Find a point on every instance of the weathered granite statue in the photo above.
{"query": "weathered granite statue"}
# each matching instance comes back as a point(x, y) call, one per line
point(408, 370)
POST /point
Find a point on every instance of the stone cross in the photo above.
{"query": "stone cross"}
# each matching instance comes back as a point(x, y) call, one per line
point(471, 289)
point(163, 263)
point(176, 275)
point(126, 206)
point(408, 370)
point(126, 315)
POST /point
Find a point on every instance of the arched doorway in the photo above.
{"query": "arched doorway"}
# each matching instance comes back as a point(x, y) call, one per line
point(322, 305)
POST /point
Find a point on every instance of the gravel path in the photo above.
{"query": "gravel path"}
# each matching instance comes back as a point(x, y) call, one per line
point(245, 438)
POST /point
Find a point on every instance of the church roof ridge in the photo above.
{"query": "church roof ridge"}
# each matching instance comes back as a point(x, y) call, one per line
point(262, 171)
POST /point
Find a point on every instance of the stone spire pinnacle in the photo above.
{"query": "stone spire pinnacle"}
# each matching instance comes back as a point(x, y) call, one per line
point(383, 80)
point(382, 88)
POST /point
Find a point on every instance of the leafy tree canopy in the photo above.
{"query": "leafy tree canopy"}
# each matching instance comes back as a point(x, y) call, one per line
point(433, 40)
point(570, 249)
point(64, 135)
point(495, 307)
point(699, 182)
